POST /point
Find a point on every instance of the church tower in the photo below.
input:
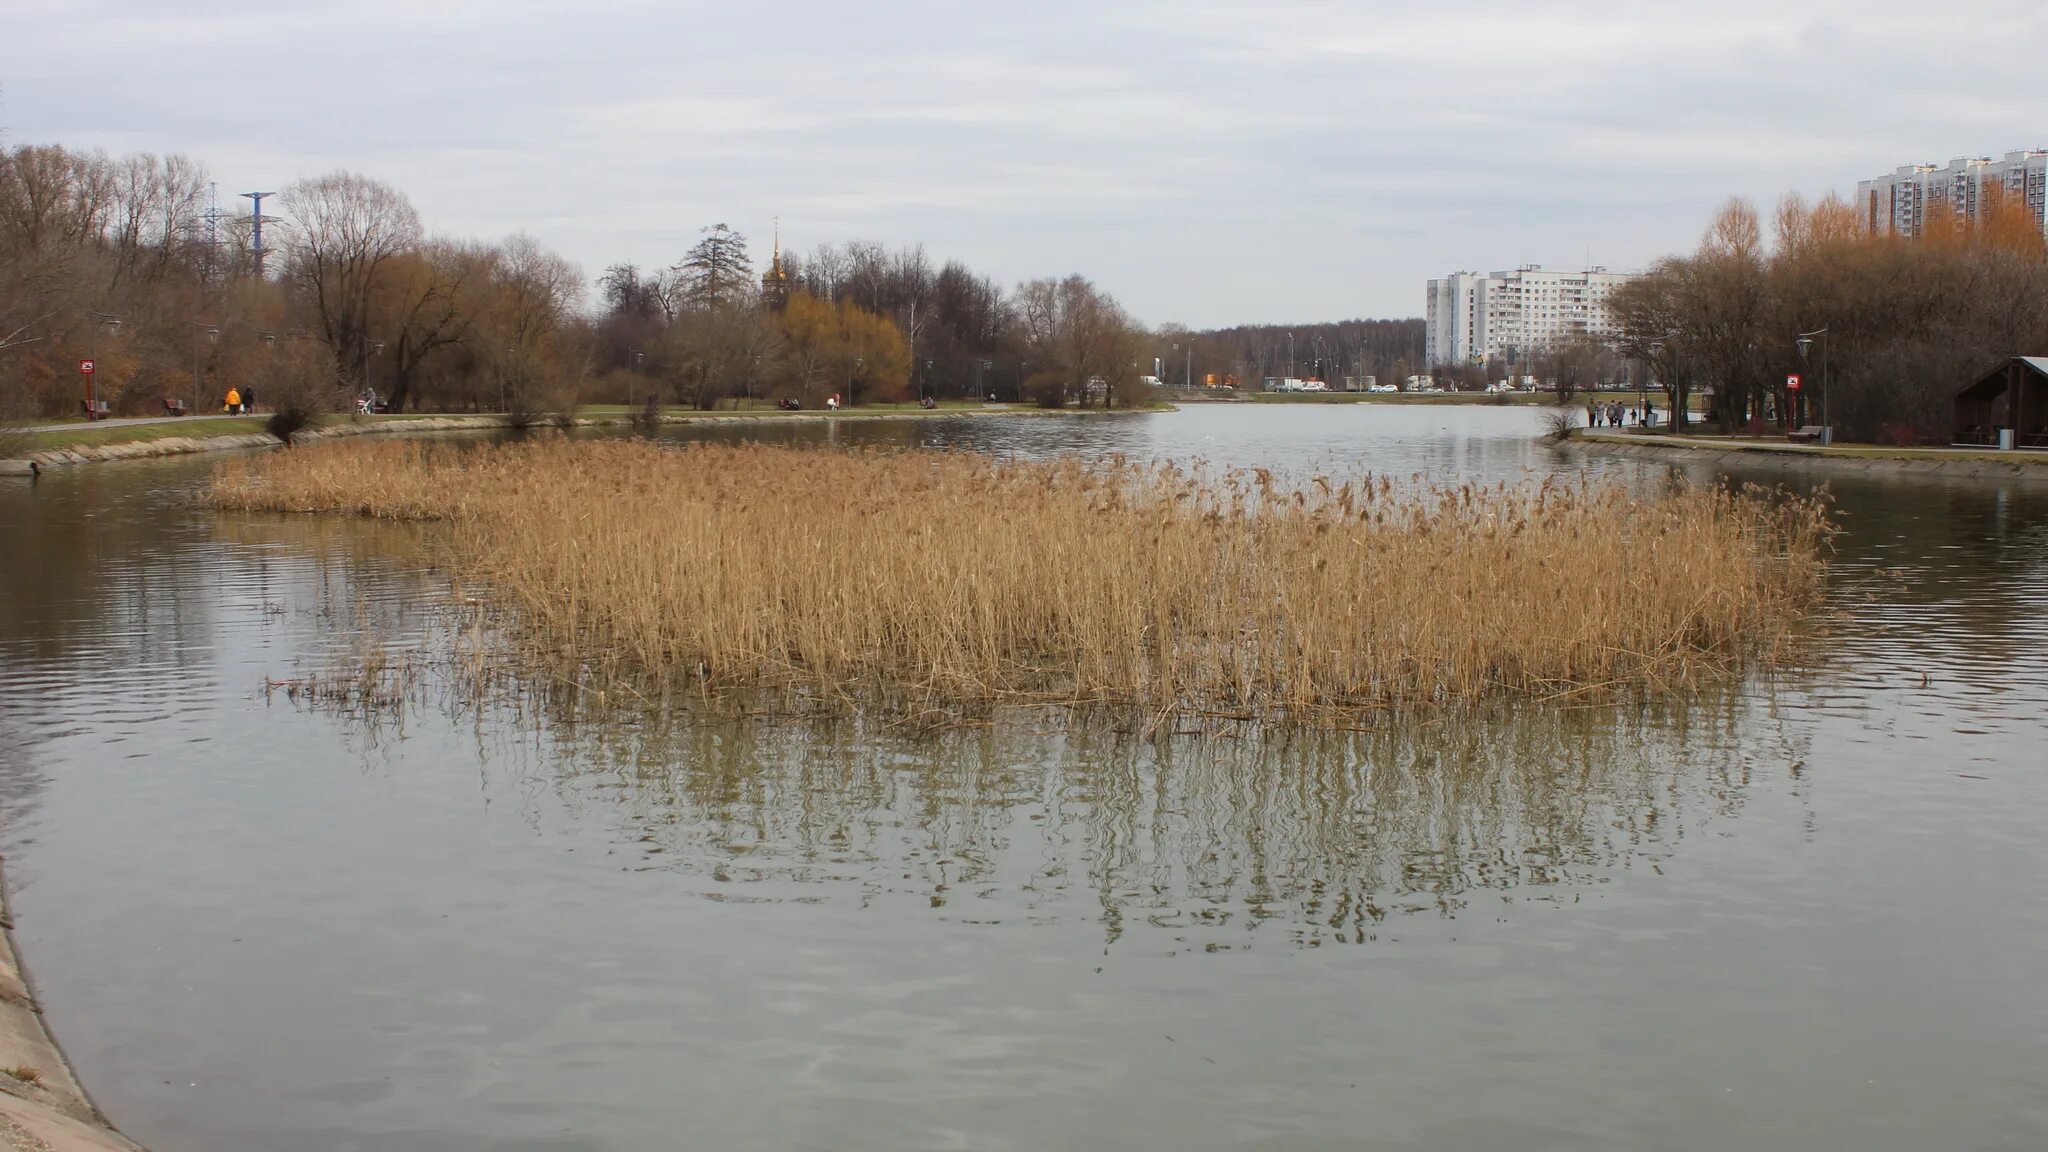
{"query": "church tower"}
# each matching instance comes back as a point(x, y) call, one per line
point(775, 281)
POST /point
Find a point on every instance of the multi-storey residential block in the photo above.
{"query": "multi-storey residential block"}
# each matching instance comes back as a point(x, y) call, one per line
point(1900, 204)
point(1473, 319)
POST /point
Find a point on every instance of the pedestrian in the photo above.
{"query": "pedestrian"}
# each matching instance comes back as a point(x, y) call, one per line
point(248, 399)
point(1591, 419)
point(234, 401)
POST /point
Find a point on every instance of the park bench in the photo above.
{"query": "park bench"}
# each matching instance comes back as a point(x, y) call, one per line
point(176, 407)
point(95, 409)
point(1806, 434)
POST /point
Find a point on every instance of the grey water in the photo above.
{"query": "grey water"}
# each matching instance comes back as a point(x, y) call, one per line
point(1809, 911)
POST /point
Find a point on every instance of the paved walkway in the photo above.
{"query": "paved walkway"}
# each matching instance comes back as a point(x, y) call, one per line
point(129, 422)
point(1838, 449)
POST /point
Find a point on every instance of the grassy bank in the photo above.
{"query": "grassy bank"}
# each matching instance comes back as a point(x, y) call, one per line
point(1779, 446)
point(96, 435)
point(22, 444)
point(963, 579)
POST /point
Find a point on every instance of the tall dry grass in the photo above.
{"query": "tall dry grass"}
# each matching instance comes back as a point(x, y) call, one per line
point(969, 579)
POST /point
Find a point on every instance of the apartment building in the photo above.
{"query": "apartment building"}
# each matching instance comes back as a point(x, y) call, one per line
point(1471, 319)
point(1899, 204)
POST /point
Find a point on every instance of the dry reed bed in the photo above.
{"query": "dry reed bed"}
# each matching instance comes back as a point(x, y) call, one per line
point(964, 578)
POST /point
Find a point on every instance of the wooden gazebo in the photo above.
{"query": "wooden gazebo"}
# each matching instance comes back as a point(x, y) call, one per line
point(2014, 395)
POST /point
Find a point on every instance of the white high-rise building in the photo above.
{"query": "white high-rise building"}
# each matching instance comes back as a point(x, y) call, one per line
point(1471, 319)
point(1898, 204)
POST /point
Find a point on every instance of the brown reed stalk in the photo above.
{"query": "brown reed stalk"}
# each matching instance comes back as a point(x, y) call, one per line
point(961, 578)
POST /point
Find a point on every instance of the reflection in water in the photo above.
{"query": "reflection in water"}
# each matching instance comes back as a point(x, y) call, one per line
point(1206, 837)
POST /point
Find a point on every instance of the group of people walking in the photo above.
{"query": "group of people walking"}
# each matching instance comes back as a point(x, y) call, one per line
point(240, 401)
point(1615, 414)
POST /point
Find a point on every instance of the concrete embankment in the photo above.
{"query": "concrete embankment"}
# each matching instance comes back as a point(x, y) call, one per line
point(1847, 458)
point(185, 445)
point(42, 1106)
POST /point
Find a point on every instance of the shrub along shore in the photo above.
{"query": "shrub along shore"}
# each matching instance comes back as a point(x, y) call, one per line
point(959, 579)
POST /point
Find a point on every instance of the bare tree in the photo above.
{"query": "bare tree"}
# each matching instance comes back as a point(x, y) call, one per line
point(348, 231)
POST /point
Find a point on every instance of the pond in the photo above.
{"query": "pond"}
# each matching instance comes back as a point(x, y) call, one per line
point(1803, 912)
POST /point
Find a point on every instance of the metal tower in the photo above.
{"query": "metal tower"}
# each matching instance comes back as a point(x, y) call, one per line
point(257, 220)
point(209, 256)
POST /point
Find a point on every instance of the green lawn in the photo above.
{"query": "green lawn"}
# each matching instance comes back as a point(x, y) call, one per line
point(94, 435)
point(82, 434)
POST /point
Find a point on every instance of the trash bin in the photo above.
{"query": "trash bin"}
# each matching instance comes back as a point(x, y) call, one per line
point(2005, 439)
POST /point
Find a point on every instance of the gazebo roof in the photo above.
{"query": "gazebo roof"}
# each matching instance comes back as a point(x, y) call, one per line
point(1993, 382)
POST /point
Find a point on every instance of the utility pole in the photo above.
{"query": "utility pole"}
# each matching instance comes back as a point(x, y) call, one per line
point(256, 222)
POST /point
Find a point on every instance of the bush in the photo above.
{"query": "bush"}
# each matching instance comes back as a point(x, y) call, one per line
point(301, 386)
point(1560, 425)
point(538, 393)
point(1046, 390)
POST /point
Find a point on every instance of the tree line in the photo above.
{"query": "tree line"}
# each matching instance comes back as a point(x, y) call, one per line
point(866, 323)
point(1897, 325)
point(117, 259)
point(1389, 351)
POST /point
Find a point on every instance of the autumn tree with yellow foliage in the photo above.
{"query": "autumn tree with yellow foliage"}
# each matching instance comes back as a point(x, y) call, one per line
point(1909, 320)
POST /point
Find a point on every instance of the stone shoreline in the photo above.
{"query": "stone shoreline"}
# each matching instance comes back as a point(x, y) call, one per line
point(186, 445)
point(1863, 458)
point(43, 1108)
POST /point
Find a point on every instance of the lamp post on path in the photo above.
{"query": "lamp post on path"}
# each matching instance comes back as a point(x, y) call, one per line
point(91, 363)
point(198, 358)
point(1805, 342)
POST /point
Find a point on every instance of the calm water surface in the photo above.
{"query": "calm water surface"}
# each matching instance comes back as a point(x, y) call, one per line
point(1803, 914)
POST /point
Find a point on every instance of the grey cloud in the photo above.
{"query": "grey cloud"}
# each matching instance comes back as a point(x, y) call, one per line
point(1208, 161)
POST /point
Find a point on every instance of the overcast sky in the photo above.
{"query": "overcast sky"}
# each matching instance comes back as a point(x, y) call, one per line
point(1208, 161)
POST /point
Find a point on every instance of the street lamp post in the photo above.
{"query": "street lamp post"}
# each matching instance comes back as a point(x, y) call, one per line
point(630, 385)
point(1805, 341)
point(199, 358)
point(92, 396)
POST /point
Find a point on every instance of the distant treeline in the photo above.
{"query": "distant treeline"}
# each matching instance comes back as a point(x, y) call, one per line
point(118, 260)
point(1389, 350)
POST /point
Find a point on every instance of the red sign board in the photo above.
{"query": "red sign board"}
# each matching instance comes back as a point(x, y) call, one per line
point(1792, 382)
point(85, 367)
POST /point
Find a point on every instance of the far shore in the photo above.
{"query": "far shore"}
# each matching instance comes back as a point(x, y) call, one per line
point(78, 442)
point(2032, 465)
point(1501, 399)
